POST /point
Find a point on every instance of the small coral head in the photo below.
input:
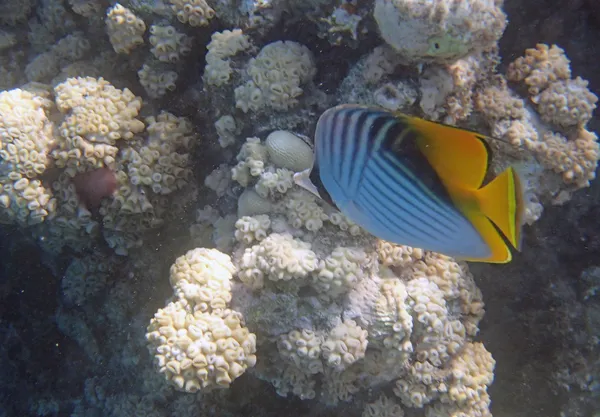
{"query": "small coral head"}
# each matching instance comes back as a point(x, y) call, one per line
point(93, 186)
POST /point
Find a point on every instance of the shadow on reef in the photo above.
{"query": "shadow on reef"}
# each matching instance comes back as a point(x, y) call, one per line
point(32, 348)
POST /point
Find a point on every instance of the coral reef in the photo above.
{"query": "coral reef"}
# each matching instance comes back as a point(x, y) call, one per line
point(142, 134)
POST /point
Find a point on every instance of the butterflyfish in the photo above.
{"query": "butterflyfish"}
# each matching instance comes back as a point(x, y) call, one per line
point(415, 182)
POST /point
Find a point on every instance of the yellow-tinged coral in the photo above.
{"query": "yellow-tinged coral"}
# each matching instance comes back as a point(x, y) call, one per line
point(96, 116)
point(540, 67)
point(575, 158)
point(470, 374)
point(447, 91)
point(84, 98)
point(457, 284)
point(497, 102)
point(221, 48)
point(192, 12)
point(26, 133)
point(391, 254)
point(560, 100)
point(124, 28)
point(566, 104)
point(160, 162)
point(557, 138)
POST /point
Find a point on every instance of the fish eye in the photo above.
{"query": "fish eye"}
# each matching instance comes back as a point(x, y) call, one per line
point(436, 45)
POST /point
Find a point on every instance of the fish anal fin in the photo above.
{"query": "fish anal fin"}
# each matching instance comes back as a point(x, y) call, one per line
point(500, 252)
point(502, 202)
point(457, 155)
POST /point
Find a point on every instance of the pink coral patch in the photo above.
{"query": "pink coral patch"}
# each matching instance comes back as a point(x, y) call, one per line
point(93, 186)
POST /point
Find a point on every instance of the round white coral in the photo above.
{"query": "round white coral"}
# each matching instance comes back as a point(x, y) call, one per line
point(276, 76)
point(279, 257)
point(196, 350)
point(203, 276)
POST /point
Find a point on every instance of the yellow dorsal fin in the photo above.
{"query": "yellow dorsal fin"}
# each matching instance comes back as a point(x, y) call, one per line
point(457, 155)
point(502, 202)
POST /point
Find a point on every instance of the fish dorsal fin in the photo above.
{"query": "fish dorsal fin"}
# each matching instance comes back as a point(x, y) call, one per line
point(459, 156)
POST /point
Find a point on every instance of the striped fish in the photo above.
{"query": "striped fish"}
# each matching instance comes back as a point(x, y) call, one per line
point(414, 182)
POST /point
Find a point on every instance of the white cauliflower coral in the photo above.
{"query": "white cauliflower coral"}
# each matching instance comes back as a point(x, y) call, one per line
point(200, 351)
point(277, 75)
point(26, 139)
point(198, 343)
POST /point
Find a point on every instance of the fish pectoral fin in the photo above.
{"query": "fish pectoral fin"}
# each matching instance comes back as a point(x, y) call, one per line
point(302, 179)
point(500, 252)
point(502, 202)
point(457, 155)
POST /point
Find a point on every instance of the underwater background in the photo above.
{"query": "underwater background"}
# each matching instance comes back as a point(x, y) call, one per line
point(157, 259)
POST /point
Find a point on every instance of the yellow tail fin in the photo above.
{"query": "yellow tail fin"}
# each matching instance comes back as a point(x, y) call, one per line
point(502, 202)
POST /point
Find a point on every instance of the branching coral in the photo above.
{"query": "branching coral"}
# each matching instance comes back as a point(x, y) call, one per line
point(551, 123)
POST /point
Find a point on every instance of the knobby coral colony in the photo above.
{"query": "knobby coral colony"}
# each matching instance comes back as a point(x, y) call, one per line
point(276, 283)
